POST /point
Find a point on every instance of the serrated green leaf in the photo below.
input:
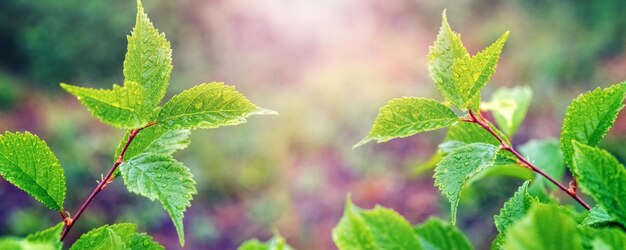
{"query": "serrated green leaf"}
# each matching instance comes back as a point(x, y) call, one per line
point(117, 236)
point(48, 239)
point(28, 163)
point(121, 107)
point(141, 241)
point(435, 234)
point(106, 237)
point(402, 117)
point(276, 243)
point(148, 60)
point(512, 211)
point(509, 107)
point(441, 56)
point(589, 118)
point(379, 228)
point(609, 239)
point(598, 216)
point(208, 106)
point(13, 243)
point(505, 164)
point(602, 177)
point(456, 168)
point(547, 156)
point(51, 236)
point(154, 140)
point(471, 74)
point(544, 227)
point(468, 133)
point(162, 178)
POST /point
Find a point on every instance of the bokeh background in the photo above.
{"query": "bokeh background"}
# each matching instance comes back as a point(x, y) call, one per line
point(326, 66)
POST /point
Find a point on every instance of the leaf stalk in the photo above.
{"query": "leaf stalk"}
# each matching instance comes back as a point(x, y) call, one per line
point(480, 120)
point(101, 185)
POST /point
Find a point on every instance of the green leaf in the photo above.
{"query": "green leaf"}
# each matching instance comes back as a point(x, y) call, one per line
point(456, 168)
point(589, 118)
point(48, 236)
point(276, 243)
point(48, 239)
point(602, 177)
point(435, 234)
point(598, 216)
point(407, 116)
point(509, 107)
point(155, 140)
point(208, 106)
point(118, 236)
point(120, 107)
point(468, 133)
point(148, 60)
point(163, 178)
point(143, 241)
point(512, 211)
point(28, 163)
point(547, 156)
point(12, 243)
point(544, 227)
point(471, 74)
point(441, 56)
point(609, 239)
point(379, 228)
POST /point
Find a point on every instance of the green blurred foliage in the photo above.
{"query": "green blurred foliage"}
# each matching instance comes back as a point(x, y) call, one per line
point(64, 40)
point(571, 38)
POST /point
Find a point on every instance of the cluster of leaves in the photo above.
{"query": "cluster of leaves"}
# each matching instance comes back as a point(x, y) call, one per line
point(144, 155)
point(475, 148)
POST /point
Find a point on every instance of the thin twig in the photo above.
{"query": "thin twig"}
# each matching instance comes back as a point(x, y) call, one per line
point(505, 146)
point(69, 222)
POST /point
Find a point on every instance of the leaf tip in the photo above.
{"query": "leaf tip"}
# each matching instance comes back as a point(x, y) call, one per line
point(262, 111)
point(361, 142)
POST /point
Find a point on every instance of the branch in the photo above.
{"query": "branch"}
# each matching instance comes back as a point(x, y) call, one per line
point(483, 123)
point(68, 221)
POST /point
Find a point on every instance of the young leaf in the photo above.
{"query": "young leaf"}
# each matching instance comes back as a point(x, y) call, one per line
point(407, 116)
point(471, 74)
point(468, 133)
point(547, 156)
point(120, 107)
point(208, 106)
point(118, 236)
point(435, 234)
point(512, 211)
point(28, 163)
point(441, 56)
point(13, 243)
point(48, 239)
point(509, 107)
point(602, 177)
point(154, 140)
point(544, 227)
point(50, 235)
point(456, 168)
point(163, 178)
point(589, 118)
point(276, 243)
point(141, 241)
point(598, 216)
point(148, 60)
point(378, 228)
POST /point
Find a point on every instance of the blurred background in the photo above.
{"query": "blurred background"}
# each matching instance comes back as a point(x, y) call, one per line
point(327, 67)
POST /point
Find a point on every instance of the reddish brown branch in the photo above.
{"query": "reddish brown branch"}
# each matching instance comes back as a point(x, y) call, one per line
point(69, 222)
point(505, 146)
